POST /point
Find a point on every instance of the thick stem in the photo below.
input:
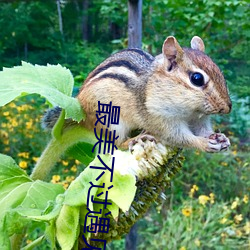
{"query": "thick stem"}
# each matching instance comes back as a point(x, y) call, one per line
point(57, 147)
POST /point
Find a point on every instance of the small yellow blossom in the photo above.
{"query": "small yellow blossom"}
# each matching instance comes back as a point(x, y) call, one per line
point(235, 203)
point(65, 163)
point(197, 242)
point(4, 134)
point(223, 235)
point(203, 199)
point(70, 178)
point(247, 227)
point(238, 218)
point(29, 124)
point(234, 152)
point(14, 123)
point(6, 113)
point(24, 154)
point(35, 159)
point(77, 162)
point(211, 195)
point(55, 178)
point(245, 199)
point(73, 168)
point(65, 185)
point(223, 220)
point(12, 105)
point(193, 190)
point(224, 164)
point(238, 233)
point(183, 248)
point(23, 164)
point(187, 211)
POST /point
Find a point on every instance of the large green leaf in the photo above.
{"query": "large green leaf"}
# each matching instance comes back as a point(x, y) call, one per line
point(53, 82)
point(9, 168)
point(83, 152)
point(21, 199)
point(67, 226)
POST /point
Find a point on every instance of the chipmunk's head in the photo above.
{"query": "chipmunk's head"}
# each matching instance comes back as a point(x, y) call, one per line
point(201, 78)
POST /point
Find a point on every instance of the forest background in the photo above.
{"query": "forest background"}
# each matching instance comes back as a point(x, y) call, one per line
point(207, 205)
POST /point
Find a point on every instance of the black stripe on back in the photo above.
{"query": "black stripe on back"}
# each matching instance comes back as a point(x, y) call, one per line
point(118, 77)
point(142, 53)
point(118, 63)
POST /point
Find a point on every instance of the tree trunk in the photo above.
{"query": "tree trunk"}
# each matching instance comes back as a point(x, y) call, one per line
point(135, 23)
point(59, 16)
point(85, 23)
point(131, 238)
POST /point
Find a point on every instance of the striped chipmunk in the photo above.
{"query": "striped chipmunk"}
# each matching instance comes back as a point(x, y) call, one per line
point(169, 97)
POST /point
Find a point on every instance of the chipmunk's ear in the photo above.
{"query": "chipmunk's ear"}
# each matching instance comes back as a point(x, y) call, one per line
point(197, 43)
point(171, 49)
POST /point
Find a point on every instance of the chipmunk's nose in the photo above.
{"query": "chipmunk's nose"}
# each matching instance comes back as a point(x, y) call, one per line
point(227, 108)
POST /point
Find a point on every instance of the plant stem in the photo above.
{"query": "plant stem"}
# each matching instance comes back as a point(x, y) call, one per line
point(57, 146)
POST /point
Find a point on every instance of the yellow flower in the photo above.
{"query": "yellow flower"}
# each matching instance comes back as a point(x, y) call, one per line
point(235, 203)
point(203, 199)
point(4, 134)
point(35, 159)
point(24, 154)
point(73, 168)
point(65, 163)
point(238, 233)
point(245, 199)
point(183, 248)
point(193, 190)
point(211, 195)
point(23, 164)
point(224, 164)
point(77, 162)
point(187, 211)
point(65, 185)
point(234, 152)
point(12, 105)
point(197, 242)
point(223, 235)
point(238, 218)
point(70, 178)
point(223, 220)
point(247, 227)
point(29, 124)
point(55, 178)
point(6, 113)
point(14, 123)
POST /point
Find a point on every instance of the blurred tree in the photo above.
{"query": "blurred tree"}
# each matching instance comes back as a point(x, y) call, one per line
point(134, 23)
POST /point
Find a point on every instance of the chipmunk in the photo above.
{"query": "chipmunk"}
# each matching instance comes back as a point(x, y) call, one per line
point(170, 96)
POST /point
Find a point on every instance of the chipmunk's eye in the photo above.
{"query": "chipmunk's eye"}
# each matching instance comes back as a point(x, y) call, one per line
point(197, 79)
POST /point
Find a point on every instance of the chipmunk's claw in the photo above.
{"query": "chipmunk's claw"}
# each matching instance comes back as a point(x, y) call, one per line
point(141, 139)
point(218, 142)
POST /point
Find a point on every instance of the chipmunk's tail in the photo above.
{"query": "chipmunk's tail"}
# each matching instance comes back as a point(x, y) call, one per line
point(50, 117)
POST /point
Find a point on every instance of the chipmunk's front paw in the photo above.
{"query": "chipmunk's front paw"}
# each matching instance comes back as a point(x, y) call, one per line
point(218, 142)
point(141, 139)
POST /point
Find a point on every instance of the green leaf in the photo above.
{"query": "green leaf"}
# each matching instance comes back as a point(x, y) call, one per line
point(34, 243)
point(67, 226)
point(77, 193)
point(53, 82)
point(82, 151)
point(39, 194)
point(9, 168)
point(9, 184)
point(57, 129)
